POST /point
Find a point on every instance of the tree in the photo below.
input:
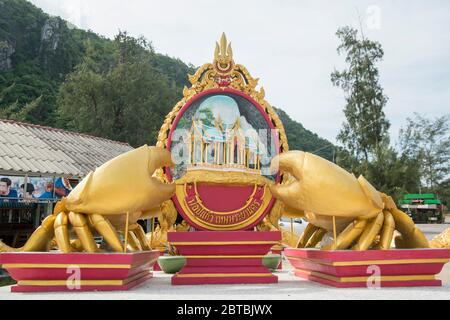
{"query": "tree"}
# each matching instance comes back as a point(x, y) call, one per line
point(207, 117)
point(365, 131)
point(428, 141)
point(443, 192)
point(394, 173)
point(124, 98)
point(17, 111)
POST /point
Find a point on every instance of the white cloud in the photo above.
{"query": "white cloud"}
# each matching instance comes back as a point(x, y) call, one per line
point(291, 46)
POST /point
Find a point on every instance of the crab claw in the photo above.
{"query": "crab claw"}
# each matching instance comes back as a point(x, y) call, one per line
point(158, 158)
point(324, 188)
point(124, 184)
point(290, 162)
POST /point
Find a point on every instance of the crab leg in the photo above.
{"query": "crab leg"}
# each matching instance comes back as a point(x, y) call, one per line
point(306, 235)
point(387, 233)
point(81, 227)
point(411, 236)
point(346, 238)
point(370, 232)
point(316, 238)
point(140, 234)
point(62, 232)
point(76, 245)
point(41, 237)
point(38, 240)
point(133, 242)
point(107, 231)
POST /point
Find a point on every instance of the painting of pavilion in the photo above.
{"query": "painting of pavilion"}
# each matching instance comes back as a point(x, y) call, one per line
point(223, 147)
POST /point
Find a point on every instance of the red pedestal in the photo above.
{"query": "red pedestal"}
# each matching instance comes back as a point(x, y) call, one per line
point(223, 257)
point(156, 267)
point(386, 268)
point(53, 271)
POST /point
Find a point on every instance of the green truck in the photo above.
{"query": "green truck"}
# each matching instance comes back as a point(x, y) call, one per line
point(423, 208)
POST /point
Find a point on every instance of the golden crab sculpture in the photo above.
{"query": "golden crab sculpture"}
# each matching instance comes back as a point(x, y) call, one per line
point(336, 203)
point(108, 200)
point(122, 191)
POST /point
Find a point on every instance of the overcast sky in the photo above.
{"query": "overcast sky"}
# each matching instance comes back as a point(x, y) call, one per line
point(291, 46)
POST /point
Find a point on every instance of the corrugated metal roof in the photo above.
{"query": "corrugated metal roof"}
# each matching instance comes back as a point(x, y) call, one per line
point(28, 148)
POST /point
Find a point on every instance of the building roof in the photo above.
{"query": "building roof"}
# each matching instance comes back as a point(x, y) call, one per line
point(46, 151)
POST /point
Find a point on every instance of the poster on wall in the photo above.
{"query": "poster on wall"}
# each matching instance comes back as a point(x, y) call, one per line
point(62, 187)
point(9, 187)
point(39, 188)
point(13, 188)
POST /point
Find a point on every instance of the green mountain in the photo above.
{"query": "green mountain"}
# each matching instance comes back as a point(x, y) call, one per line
point(38, 51)
point(45, 61)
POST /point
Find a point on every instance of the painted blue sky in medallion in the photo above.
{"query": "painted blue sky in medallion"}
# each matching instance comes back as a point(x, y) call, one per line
point(223, 106)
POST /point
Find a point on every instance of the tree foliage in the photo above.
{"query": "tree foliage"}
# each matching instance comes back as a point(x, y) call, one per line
point(122, 96)
point(17, 112)
point(366, 128)
point(40, 60)
point(428, 141)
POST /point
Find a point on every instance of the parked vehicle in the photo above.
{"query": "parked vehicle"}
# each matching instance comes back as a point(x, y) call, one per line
point(423, 208)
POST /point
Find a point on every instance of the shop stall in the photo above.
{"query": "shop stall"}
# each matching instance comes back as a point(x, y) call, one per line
point(38, 166)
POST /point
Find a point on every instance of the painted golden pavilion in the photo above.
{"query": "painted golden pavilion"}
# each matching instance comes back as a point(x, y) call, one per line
point(223, 147)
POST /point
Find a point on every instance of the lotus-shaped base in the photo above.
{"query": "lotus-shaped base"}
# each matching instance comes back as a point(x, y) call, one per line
point(171, 264)
point(272, 261)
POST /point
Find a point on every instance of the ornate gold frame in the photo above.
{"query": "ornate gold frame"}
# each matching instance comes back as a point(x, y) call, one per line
point(223, 72)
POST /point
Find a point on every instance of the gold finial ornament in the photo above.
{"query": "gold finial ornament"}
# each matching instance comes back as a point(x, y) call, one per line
point(223, 56)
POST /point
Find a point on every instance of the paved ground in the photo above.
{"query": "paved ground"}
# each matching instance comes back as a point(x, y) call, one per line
point(289, 287)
